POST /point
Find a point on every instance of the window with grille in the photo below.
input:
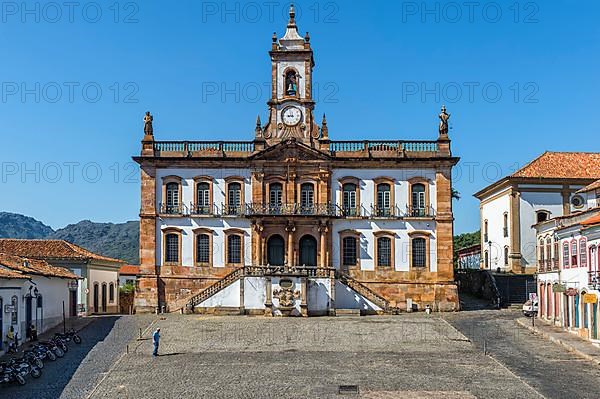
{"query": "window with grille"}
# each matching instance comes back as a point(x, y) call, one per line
point(234, 197)
point(276, 194)
point(307, 196)
point(383, 199)
point(419, 252)
point(172, 248)
point(203, 248)
point(384, 252)
point(486, 259)
point(565, 255)
point(234, 249)
point(172, 197)
point(583, 252)
point(349, 254)
point(349, 199)
point(203, 198)
point(418, 199)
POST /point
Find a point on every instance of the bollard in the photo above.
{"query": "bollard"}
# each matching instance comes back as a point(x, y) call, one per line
point(127, 349)
point(140, 333)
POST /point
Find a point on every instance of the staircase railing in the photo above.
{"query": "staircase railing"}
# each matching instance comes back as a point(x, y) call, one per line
point(217, 286)
point(363, 290)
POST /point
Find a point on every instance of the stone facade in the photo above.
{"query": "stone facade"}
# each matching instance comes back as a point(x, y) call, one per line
point(378, 211)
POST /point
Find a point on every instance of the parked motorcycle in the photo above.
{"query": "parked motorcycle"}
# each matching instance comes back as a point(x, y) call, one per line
point(50, 345)
point(69, 335)
point(43, 352)
point(9, 374)
point(24, 368)
point(33, 359)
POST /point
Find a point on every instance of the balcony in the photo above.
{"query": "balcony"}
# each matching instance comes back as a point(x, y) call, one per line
point(328, 209)
point(204, 210)
point(426, 212)
point(351, 212)
point(594, 279)
point(173, 209)
point(385, 212)
point(202, 148)
point(232, 210)
point(383, 148)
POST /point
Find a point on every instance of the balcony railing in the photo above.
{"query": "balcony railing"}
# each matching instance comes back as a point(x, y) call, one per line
point(232, 210)
point(204, 210)
point(292, 209)
point(192, 148)
point(173, 209)
point(385, 211)
point(351, 212)
point(419, 212)
point(398, 146)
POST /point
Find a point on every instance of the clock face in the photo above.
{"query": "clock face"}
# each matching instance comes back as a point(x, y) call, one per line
point(291, 116)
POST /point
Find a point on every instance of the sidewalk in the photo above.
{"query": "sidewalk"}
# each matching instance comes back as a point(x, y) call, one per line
point(77, 323)
point(571, 342)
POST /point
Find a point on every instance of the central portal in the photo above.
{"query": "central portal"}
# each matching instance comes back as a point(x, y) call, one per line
point(308, 251)
point(276, 250)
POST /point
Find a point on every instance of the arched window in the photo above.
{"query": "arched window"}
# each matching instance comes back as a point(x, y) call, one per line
point(111, 292)
point(505, 228)
point(506, 256)
point(349, 251)
point(566, 255)
point(384, 252)
point(384, 199)
point(173, 198)
point(419, 252)
point(541, 254)
point(172, 248)
point(418, 200)
point(583, 252)
point(203, 205)
point(349, 203)
point(203, 249)
point(307, 197)
point(574, 250)
point(485, 231)
point(542, 216)
point(486, 259)
point(291, 83)
point(234, 198)
point(548, 255)
point(234, 249)
point(275, 195)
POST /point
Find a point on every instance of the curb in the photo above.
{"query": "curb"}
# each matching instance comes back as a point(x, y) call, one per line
point(560, 342)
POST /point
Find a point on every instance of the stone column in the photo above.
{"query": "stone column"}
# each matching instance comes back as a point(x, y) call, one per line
point(269, 296)
point(515, 255)
point(290, 249)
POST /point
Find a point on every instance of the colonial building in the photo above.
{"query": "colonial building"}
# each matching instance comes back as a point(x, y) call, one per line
point(98, 289)
point(568, 267)
point(32, 292)
point(545, 188)
point(293, 219)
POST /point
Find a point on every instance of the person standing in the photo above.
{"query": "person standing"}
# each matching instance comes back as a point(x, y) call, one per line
point(155, 341)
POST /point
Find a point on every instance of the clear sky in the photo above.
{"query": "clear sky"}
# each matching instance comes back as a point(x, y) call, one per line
point(519, 78)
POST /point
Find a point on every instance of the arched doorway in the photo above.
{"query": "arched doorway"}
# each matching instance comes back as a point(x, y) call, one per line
point(308, 251)
point(103, 297)
point(96, 297)
point(276, 250)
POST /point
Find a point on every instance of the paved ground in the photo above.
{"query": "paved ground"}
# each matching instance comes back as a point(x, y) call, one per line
point(407, 356)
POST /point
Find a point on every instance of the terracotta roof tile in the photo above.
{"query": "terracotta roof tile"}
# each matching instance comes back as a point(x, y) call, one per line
point(591, 221)
point(563, 165)
point(34, 266)
point(129, 270)
point(5, 273)
point(50, 249)
point(594, 186)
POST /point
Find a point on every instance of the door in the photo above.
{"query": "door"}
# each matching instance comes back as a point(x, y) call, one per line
point(104, 298)
point(96, 298)
point(595, 321)
point(28, 312)
point(73, 303)
point(576, 312)
point(308, 251)
point(276, 250)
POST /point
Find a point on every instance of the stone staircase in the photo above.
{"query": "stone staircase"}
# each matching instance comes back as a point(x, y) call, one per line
point(188, 304)
point(366, 292)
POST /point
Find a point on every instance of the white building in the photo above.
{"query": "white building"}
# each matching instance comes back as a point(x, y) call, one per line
point(548, 187)
point(32, 292)
point(98, 289)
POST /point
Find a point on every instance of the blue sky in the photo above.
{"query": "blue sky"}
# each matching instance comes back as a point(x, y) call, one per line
point(519, 78)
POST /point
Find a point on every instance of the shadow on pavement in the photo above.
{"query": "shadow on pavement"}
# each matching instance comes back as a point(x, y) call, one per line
point(57, 375)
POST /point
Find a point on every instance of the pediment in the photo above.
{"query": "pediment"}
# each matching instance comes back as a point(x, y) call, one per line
point(291, 149)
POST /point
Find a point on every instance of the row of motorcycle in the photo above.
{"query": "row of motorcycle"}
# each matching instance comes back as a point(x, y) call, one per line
point(32, 361)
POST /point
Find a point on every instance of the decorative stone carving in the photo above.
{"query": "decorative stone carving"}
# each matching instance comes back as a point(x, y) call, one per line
point(286, 294)
point(444, 116)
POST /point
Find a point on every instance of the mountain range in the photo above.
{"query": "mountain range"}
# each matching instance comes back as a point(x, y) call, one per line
point(120, 240)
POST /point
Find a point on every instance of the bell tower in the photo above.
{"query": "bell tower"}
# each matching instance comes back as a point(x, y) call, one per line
point(291, 105)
